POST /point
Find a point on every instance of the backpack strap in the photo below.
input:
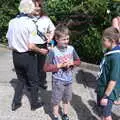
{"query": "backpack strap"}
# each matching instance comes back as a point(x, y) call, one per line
point(39, 33)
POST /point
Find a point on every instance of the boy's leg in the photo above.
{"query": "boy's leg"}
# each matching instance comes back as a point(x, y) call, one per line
point(57, 94)
point(65, 107)
point(56, 110)
point(66, 100)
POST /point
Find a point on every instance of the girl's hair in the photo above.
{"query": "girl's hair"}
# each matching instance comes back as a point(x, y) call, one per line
point(40, 2)
point(111, 34)
point(61, 30)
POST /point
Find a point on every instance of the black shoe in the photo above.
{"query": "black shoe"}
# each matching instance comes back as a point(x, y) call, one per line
point(43, 86)
point(36, 106)
point(15, 106)
point(55, 118)
point(65, 117)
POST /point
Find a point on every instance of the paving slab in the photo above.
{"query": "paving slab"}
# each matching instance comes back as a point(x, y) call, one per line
point(83, 104)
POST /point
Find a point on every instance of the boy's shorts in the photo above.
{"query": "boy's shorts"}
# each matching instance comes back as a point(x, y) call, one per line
point(105, 111)
point(61, 91)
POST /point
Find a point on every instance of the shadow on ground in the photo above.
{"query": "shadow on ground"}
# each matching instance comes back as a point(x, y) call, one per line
point(14, 83)
point(86, 78)
point(83, 112)
point(81, 109)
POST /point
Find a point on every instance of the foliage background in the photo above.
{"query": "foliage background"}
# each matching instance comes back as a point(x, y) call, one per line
point(85, 18)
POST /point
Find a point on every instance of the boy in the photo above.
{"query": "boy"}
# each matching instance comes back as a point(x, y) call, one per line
point(108, 89)
point(60, 61)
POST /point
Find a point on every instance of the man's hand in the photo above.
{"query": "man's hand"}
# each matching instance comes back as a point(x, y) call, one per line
point(43, 51)
point(104, 102)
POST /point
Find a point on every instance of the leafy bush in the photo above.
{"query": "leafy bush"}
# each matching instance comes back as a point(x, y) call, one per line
point(85, 18)
point(8, 10)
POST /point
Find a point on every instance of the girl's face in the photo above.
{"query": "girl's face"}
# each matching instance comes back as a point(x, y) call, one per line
point(107, 43)
point(37, 10)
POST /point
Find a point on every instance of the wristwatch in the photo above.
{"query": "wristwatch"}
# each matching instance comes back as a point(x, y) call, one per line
point(105, 97)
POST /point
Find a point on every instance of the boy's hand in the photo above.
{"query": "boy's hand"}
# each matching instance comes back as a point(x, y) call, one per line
point(104, 102)
point(61, 65)
point(70, 64)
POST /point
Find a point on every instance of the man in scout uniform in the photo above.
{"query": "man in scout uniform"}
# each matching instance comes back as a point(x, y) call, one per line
point(22, 37)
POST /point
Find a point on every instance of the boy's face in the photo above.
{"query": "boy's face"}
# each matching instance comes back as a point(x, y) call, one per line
point(107, 43)
point(63, 41)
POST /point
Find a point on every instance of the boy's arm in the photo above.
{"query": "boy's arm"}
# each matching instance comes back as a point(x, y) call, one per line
point(76, 58)
point(49, 66)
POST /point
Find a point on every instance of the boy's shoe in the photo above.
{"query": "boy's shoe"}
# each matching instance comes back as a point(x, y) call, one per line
point(65, 117)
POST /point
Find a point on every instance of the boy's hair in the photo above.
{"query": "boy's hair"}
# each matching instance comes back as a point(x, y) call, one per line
point(61, 30)
point(111, 34)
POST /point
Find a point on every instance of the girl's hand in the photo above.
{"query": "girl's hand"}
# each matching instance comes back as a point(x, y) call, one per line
point(61, 65)
point(104, 102)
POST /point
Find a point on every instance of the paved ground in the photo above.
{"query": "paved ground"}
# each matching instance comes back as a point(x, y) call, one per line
point(82, 107)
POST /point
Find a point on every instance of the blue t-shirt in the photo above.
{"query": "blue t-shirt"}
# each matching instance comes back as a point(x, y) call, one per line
point(57, 56)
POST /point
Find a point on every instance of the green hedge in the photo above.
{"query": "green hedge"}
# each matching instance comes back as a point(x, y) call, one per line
point(85, 18)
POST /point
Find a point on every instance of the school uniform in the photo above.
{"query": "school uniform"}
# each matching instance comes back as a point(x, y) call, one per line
point(22, 32)
point(110, 70)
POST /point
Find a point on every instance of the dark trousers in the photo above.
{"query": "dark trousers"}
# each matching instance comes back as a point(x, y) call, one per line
point(41, 74)
point(26, 69)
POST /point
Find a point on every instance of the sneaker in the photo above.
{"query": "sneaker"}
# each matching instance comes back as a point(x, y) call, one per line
point(65, 117)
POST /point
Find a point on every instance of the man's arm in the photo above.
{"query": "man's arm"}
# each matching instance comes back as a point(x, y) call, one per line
point(33, 47)
point(34, 39)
